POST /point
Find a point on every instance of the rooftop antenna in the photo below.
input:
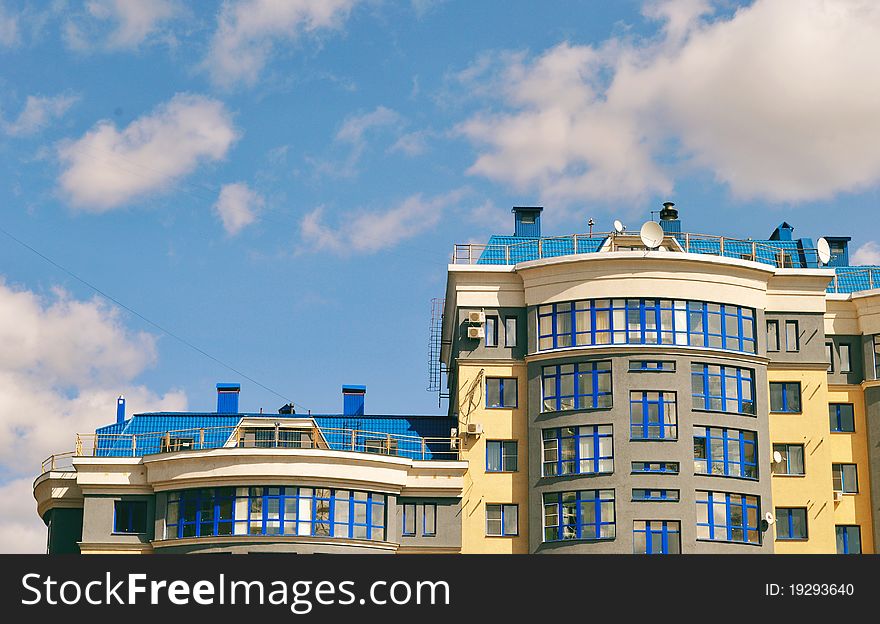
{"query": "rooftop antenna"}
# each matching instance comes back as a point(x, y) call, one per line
point(591, 223)
point(824, 250)
point(651, 234)
point(619, 227)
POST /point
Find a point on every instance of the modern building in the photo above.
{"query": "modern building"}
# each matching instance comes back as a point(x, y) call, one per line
point(228, 481)
point(615, 398)
point(702, 394)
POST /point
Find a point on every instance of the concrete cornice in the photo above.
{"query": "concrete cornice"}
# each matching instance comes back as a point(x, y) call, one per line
point(647, 351)
point(274, 540)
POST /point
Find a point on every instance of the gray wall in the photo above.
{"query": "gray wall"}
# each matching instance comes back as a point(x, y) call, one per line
point(811, 329)
point(465, 347)
point(98, 520)
point(868, 357)
point(857, 360)
point(625, 452)
point(872, 414)
point(448, 523)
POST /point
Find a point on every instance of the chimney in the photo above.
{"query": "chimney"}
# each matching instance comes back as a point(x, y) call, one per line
point(527, 221)
point(287, 409)
point(669, 219)
point(353, 400)
point(839, 250)
point(782, 233)
point(227, 398)
point(120, 409)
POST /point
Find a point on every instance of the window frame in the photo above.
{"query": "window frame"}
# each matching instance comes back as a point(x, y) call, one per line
point(656, 495)
point(597, 500)
point(739, 442)
point(593, 434)
point(744, 505)
point(786, 454)
point(503, 455)
point(128, 506)
point(785, 400)
point(490, 339)
point(674, 471)
point(829, 355)
point(407, 509)
point(433, 515)
point(774, 323)
point(797, 336)
point(789, 517)
point(741, 377)
point(845, 363)
point(642, 366)
point(504, 509)
point(846, 537)
point(502, 381)
point(645, 424)
point(510, 322)
point(836, 419)
point(596, 369)
point(666, 531)
point(843, 480)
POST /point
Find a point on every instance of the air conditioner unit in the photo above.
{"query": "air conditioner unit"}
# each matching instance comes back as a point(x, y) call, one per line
point(476, 332)
point(477, 316)
point(474, 429)
point(838, 496)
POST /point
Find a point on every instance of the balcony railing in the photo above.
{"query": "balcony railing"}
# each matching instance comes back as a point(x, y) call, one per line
point(248, 436)
point(780, 256)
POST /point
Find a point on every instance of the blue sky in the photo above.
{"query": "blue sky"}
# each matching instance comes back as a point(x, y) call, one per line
point(281, 183)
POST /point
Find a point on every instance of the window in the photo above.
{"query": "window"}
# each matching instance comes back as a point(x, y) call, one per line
point(773, 335)
point(725, 452)
point(501, 392)
point(491, 331)
point(287, 510)
point(585, 385)
point(829, 356)
point(429, 523)
point(409, 519)
point(845, 478)
point(792, 459)
point(510, 331)
point(656, 537)
point(785, 397)
point(272, 437)
point(849, 539)
point(381, 446)
point(726, 517)
point(655, 467)
point(723, 388)
point(578, 450)
point(877, 356)
point(130, 516)
point(655, 495)
point(501, 520)
point(653, 415)
point(845, 358)
point(792, 336)
point(501, 455)
point(651, 365)
point(842, 417)
point(581, 515)
point(646, 321)
point(791, 523)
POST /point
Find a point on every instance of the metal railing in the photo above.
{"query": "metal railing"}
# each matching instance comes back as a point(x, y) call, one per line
point(553, 247)
point(250, 436)
point(854, 279)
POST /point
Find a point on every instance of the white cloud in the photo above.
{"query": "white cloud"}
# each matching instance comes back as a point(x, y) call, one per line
point(778, 101)
point(869, 253)
point(411, 143)
point(62, 365)
point(38, 112)
point(247, 29)
point(237, 206)
point(105, 168)
point(353, 133)
point(9, 35)
point(368, 232)
point(135, 19)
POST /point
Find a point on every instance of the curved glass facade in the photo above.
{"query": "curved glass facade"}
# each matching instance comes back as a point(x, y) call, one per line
point(321, 512)
point(592, 322)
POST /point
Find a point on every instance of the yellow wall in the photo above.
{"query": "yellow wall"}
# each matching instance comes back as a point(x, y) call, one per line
point(852, 448)
point(481, 487)
point(814, 489)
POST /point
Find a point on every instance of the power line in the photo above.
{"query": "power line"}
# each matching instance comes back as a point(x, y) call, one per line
point(180, 339)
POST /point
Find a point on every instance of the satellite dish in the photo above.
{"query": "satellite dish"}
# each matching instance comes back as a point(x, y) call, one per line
point(777, 457)
point(824, 250)
point(768, 517)
point(619, 227)
point(651, 234)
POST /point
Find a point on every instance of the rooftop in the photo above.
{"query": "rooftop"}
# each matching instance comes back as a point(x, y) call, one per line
point(779, 250)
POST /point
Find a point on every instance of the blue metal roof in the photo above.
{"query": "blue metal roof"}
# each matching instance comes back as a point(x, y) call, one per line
point(217, 431)
point(855, 278)
point(522, 249)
